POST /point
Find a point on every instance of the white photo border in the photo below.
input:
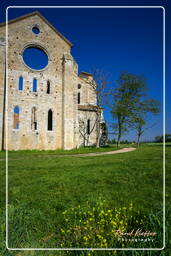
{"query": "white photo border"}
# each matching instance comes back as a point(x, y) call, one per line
point(6, 126)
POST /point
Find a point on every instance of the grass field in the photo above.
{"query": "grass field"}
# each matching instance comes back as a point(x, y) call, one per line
point(49, 195)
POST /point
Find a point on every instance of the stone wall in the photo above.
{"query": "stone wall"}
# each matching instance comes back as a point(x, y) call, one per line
point(61, 72)
point(85, 113)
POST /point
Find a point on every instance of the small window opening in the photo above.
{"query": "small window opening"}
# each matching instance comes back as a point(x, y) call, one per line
point(78, 99)
point(34, 85)
point(48, 87)
point(36, 30)
point(50, 120)
point(34, 119)
point(16, 117)
point(79, 86)
point(88, 126)
point(20, 84)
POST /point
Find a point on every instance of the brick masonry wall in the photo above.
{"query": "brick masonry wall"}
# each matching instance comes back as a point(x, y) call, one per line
point(61, 72)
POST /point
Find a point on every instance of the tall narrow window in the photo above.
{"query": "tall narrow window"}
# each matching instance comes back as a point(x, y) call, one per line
point(16, 117)
point(50, 120)
point(78, 99)
point(48, 87)
point(34, 119)
point(88, 126)
point(34, 85)
point(20, 83)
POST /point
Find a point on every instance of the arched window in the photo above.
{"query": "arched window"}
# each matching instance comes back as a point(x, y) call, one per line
point(34, 119)
point(78, 98)
point(48, 87)
point(34, 85)
point(88, 126)
point(16, 117)
point(50, 120)
point(20, 83)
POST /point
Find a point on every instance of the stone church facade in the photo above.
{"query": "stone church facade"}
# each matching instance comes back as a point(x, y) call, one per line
point(49, 108)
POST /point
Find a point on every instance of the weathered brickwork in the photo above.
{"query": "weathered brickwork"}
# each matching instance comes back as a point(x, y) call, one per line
point(65, 85)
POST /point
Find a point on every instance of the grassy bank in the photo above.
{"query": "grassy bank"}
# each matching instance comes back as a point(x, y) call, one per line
point(42, 188)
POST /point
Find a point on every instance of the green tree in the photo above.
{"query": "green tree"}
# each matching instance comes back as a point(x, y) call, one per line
point(161, 139)
point(139, 116)
point(128, 92)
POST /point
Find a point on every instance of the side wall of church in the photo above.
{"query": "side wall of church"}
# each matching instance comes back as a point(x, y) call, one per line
point(87, 98)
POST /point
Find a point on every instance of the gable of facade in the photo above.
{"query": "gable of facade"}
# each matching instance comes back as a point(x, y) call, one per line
point(51, 101)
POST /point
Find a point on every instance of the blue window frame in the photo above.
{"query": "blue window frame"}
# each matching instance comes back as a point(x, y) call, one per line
point(36, 30)
point(16, 117)
point(34, 85)
point(20, 83)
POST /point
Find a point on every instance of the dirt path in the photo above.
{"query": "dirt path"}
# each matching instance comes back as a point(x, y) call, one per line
point(123, 150)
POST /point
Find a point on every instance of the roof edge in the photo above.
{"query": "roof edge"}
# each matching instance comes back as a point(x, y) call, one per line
point(43, 18)
point(85, 73)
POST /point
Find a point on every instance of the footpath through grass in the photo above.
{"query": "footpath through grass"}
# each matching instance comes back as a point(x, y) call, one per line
point(82, 150)
point(49, 196)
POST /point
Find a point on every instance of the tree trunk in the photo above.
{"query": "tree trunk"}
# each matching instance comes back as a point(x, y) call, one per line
point(119, 134)
point(87, 140)
point(139, 133)
point(98, 142)
point(98, 136)
point(84, 142)
point(138, 140)
point(118, 140)
point(98, 131)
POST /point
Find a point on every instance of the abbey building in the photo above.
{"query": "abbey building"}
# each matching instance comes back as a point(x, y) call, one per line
point(48, 104)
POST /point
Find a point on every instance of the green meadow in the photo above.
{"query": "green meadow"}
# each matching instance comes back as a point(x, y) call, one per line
point(57, 200)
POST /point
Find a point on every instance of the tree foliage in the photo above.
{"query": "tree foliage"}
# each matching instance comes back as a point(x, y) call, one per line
point(161, 139)
point(139, 116)
point(130, 106)
point(125, 97)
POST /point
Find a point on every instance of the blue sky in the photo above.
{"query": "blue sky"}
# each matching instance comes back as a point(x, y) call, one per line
point(115, 40)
